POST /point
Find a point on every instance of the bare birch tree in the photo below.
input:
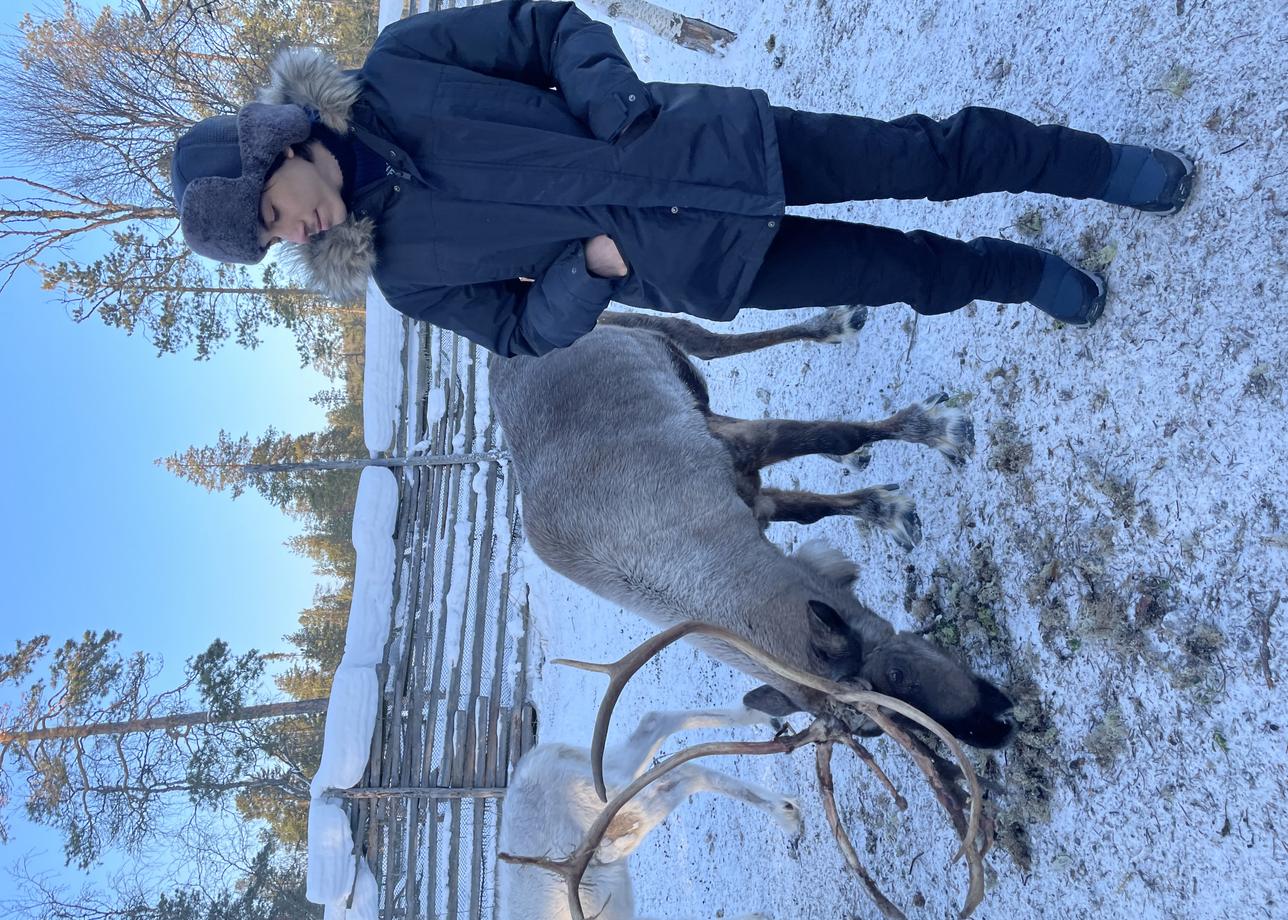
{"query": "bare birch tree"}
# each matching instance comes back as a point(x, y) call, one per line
point(686, 31)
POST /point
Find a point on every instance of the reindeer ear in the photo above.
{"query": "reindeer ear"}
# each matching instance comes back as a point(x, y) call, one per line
point(770, 701)
point(830, 637)
point(991, 699)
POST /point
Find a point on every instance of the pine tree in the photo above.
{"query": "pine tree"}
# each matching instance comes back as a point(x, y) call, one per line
point(222, 466)
point(320, 637)
point(158, 287)
point(106, 761)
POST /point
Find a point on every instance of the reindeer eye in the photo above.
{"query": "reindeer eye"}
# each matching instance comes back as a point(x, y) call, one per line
point(895, 676)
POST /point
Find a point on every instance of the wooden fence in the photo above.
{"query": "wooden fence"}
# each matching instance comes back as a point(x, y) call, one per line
point(454, 718)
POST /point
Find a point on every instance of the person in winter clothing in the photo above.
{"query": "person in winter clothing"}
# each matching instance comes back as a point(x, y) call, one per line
point(500, 171)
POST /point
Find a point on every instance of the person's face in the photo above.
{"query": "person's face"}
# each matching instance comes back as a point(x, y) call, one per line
point(301, 198)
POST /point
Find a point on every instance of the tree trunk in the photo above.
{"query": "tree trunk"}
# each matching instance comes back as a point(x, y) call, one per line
point(357, 463)
point(267, 711)
point(300, 793)
point(674, 27)
point(193, 289)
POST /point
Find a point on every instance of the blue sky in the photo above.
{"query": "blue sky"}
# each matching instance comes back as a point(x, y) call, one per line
point(96, 536)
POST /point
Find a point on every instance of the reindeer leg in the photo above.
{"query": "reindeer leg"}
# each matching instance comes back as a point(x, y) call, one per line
point(652, 805)
point(760, 443)
point(880, 506)
point(833, 325)
point(634, 756)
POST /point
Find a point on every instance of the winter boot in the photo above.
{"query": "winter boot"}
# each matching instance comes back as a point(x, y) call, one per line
point(1149, 179)
point(1069, 294)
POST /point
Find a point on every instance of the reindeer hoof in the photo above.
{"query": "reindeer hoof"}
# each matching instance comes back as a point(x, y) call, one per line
point(907, 530)
point(885, 508)
point(961, 433)
point(844, 323)
point(903, 523)
point(790, 818)
point(946, 428)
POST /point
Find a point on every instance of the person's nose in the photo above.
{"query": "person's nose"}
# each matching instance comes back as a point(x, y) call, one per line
point(298, 232)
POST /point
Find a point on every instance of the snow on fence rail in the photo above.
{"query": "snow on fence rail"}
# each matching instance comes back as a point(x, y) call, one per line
point(427, 718)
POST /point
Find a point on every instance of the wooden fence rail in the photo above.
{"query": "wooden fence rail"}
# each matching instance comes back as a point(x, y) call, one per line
point(418, 792)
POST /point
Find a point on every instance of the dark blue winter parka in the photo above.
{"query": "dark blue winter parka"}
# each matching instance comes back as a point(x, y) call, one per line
point(515, 130)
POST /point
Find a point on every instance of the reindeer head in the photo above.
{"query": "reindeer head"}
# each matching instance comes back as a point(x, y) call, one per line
point(915, 670)
point(852, 646)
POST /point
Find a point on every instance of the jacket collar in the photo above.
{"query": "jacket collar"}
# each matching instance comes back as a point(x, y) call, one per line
point(338, 262)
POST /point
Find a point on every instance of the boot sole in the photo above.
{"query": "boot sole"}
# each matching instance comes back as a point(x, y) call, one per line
point(1187, 185)
point(1097, 305)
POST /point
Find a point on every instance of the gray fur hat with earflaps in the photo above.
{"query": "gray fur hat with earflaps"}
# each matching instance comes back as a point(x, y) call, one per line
point(218, 173)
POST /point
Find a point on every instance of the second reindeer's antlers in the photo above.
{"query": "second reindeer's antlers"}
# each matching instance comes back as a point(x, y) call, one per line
point(964, 808)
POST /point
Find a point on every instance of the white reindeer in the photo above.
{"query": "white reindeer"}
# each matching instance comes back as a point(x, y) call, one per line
point(551, 803)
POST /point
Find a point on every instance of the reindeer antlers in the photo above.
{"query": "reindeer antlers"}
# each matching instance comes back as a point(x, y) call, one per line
point(824, 732)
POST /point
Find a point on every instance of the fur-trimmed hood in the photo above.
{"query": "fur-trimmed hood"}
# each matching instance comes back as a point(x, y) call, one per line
point(338, 262)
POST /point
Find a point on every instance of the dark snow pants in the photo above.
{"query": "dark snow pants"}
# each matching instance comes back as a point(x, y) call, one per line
point(832, 158)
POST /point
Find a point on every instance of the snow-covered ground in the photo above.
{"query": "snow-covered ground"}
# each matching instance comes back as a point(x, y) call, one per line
point(1115, 551)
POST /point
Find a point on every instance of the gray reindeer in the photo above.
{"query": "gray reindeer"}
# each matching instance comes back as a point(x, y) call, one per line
point(634, 488)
